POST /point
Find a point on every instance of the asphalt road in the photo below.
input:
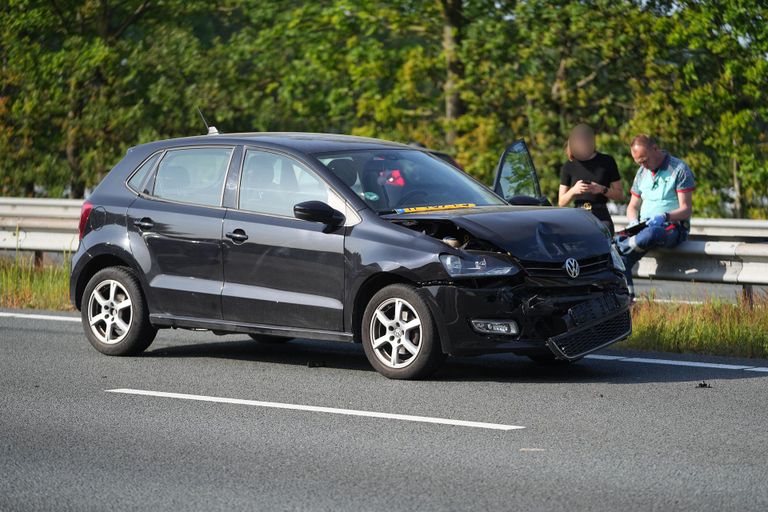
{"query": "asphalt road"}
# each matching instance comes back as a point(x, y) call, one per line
point(604, 434)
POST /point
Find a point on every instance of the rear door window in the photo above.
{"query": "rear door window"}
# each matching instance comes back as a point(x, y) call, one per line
point(193, 175)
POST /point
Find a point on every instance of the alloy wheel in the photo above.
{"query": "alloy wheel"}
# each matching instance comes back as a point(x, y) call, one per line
point(396, 333)
point(110, 312)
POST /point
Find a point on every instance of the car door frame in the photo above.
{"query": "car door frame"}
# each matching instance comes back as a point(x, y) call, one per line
point(146, 193)
point(231, 202)
point(539, 199)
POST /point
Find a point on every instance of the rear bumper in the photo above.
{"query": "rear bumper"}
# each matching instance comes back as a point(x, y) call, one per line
point(569, 322)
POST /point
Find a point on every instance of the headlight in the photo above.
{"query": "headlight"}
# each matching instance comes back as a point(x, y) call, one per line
point(477, 265)
point(618, 262)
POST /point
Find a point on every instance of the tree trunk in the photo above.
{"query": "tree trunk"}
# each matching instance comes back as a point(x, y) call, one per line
point(453, 26)
point(738, 206)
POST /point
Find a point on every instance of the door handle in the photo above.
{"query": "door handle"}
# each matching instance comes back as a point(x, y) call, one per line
point(238, 236)
point(145, 223)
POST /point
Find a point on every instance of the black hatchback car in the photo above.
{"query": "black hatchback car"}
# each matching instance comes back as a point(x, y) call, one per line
point(329, 237)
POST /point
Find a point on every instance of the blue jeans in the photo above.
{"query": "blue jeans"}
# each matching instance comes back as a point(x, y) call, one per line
point(667, 236)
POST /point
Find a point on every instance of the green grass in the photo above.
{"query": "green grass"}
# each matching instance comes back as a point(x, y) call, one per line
point(714, 327)
point(24, 286)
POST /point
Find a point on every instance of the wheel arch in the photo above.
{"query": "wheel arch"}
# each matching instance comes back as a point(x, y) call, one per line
point(378, 281)
point(100, 262)
point(365, 292)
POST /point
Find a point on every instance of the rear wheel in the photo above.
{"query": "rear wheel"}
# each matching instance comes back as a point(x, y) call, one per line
point(399, 335)
point(265, 338)
point(114, 313)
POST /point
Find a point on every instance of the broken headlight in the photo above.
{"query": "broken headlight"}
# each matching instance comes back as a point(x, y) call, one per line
point(477, 265)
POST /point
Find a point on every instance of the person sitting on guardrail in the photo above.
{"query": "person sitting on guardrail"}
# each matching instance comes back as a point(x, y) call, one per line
point(661, 203)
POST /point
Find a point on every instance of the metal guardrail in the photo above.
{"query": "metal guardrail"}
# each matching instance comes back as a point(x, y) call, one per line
point(43, 225)
point(741, 229)
point(48, 225)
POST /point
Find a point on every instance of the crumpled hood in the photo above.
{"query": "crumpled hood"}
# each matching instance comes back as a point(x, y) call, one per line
point(530, 233)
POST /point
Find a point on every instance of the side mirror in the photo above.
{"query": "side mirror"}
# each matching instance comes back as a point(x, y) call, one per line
point(318, 211)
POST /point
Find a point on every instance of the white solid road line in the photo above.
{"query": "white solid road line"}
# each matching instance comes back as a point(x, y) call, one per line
point(599, 357)
point(674, 362)
point(40, 317)
point(313, 408)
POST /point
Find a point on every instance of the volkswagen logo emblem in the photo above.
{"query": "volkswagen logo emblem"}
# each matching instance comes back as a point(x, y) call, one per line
point(572, 267)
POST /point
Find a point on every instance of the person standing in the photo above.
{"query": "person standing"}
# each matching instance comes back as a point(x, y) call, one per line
point(662, 196)
point(589, 178)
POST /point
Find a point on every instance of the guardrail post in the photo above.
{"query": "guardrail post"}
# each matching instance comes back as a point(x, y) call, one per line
point(38, 259)
point(748, 295)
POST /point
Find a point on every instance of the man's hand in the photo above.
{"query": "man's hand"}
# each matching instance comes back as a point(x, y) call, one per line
point(657, 220)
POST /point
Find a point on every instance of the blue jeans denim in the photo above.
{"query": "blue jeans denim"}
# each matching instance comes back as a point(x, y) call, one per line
point(667, 236)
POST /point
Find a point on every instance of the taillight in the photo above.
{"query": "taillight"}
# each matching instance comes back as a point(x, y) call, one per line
point(85, 212)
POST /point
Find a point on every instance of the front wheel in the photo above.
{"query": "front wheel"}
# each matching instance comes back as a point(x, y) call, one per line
point(114, 313)
point(399, 335)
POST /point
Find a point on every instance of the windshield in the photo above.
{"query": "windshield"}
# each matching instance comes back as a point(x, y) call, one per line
point(391, 180)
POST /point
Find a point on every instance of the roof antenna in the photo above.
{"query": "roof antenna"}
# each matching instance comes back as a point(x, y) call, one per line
point(211, 129)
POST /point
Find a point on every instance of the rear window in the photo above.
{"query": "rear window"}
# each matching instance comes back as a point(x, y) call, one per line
point(193, 175)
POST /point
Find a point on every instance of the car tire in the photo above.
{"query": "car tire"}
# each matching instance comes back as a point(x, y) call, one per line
point(405, 346)
point(115, 314)
point(272, 340)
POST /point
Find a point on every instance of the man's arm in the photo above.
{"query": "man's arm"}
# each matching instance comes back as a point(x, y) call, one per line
point(685, 198)
point(633, 208)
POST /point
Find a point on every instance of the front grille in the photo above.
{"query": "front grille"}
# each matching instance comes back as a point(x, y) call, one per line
point(572, 345)
point(555, 269)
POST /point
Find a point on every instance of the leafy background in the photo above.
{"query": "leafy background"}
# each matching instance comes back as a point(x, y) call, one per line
point(82, 81)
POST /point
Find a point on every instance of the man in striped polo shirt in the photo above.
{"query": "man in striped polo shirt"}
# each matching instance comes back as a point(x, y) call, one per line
point(662, 197)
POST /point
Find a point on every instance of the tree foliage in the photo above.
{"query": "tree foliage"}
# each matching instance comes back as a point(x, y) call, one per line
point(83, 80)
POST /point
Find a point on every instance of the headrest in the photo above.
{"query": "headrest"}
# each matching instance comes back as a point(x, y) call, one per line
point(173, 177)
point(259, 169)
point(344, 169)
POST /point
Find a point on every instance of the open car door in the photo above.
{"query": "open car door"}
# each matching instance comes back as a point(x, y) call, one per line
point(516, 179)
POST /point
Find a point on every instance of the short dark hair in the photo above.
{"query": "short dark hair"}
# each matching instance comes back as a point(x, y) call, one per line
point(644, 140)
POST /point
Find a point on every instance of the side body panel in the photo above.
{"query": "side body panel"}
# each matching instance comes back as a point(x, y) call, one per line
point(288, 272)
point(178, 248)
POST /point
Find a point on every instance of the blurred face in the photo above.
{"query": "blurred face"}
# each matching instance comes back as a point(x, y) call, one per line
point(650, 158)
point(582, 145)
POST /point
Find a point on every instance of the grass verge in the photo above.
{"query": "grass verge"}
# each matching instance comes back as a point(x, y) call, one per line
point(714, 327)
point(24, 286)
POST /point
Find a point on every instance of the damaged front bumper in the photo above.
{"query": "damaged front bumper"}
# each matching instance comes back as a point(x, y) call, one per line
point(568, 321)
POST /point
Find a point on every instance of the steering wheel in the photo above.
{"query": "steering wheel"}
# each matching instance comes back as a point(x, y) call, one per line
point(410, 195)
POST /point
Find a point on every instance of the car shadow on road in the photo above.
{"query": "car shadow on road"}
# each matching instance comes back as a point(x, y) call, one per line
point(489, 368)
